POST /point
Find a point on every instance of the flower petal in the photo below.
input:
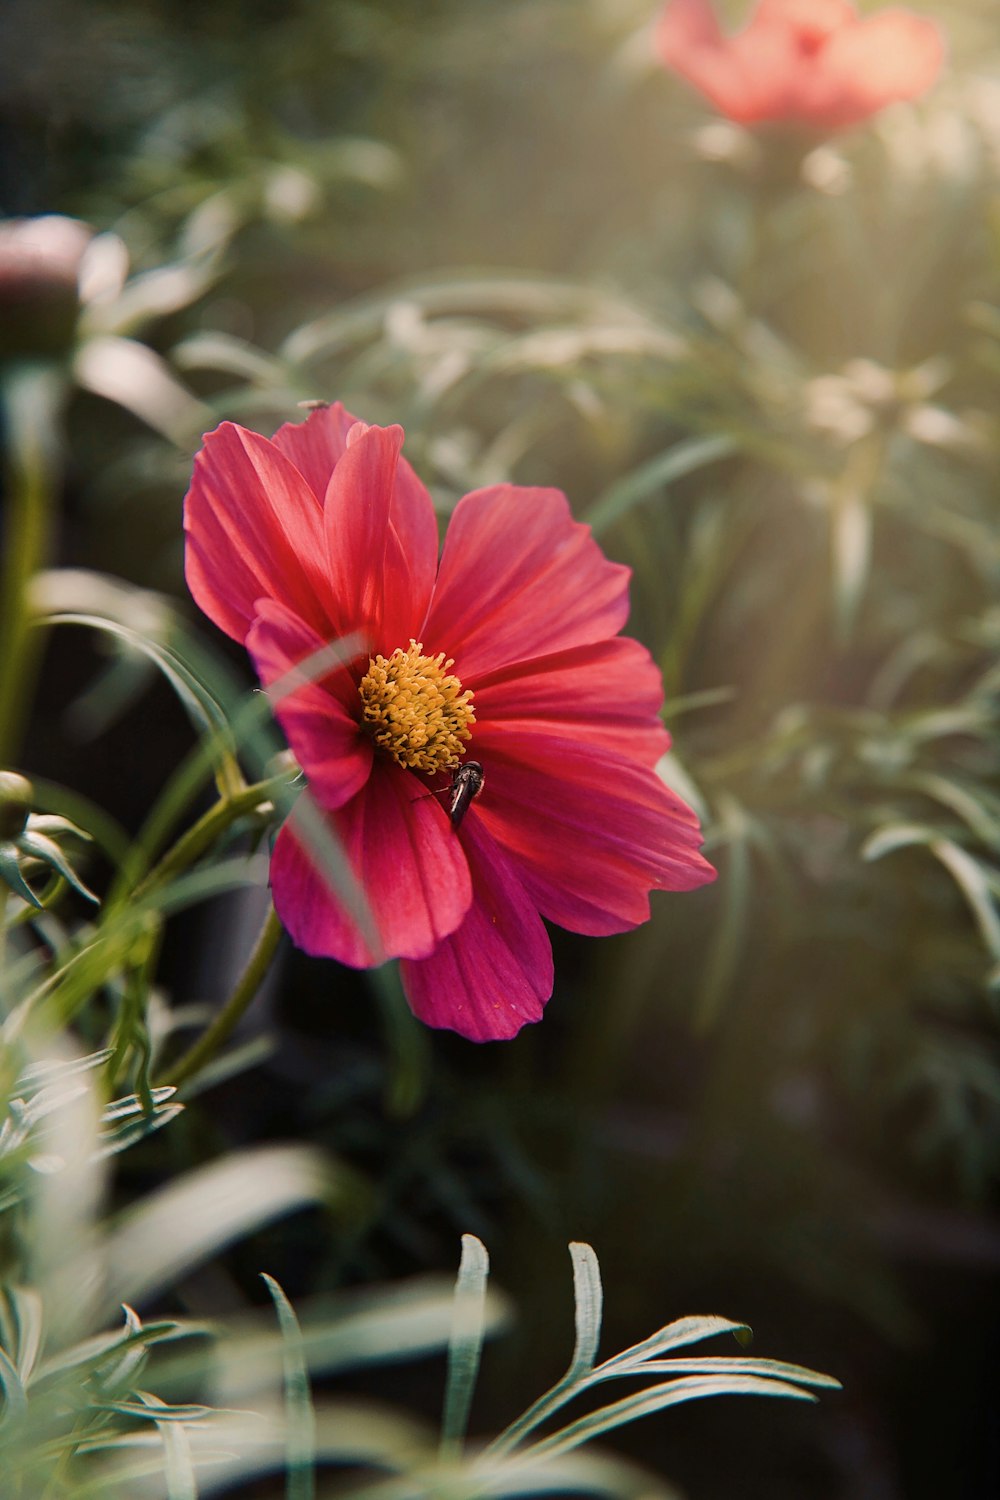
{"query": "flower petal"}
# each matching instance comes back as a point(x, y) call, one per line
point(317, 716)
point(608, 693)
point(494, 974)
point(811, 20)
point(254, 530)
point(683, 26)
point(405, 857)
point(690, 42)
point(316, 445)
point(590, 833)
point(888, 57)
point(381, 539)
point(520, 578)
point(806, 62)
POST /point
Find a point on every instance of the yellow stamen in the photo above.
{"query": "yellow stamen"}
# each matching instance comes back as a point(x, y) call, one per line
point(416, 709)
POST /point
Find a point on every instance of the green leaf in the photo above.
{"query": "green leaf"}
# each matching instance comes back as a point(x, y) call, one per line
point(589, 1307)
point(895, 836)
point(299, 1416)
point(974, 880)
point(187, 1221)
point(851, 548)
point(177, 1465)
point(26, 1305)
point(10, 873)
point(737, 1364)
point(16, 1400)
point(657, 1398)
point(675, 1335)
point(728, 945)
point(94, 1353)
point(193, 692)
point(37, 846)
point(162, 1413)
point(975, 884)
point(466, 1342)
point(649, 479)
point(118, 1376)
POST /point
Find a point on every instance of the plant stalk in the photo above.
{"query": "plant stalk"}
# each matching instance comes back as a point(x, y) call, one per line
point(235, 1007)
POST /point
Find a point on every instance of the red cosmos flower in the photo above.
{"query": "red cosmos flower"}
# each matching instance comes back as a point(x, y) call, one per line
point(505, 650)
point(813, 63)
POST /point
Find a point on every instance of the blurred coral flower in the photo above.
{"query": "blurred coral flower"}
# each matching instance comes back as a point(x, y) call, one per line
point(504, 656)
point(812, 63)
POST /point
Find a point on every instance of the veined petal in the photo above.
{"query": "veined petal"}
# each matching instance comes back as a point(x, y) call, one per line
point(316, 445)
point(405, 857)
point(494, 974)
point(590, 833)
point(520, 578)
point(381, 539)
point(254, 530)
point(317, 715)
point(608, 693)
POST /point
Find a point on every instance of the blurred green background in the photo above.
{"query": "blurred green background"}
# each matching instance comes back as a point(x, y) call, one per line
point(767, 372)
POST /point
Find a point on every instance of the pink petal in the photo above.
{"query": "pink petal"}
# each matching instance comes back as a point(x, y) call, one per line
point(891, 56)
point(316, 445)
point(683, 26)
point(520, 578)
point(590, 833)
point(494, 974)
point(254, 530)
point(381, 539)
point(811, 19)
point(807, 62)
point(606, 694)
point(690, 42)
point(320, 717)
point(406, 858)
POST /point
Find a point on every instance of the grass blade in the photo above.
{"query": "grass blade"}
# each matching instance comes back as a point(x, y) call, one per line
point(466, 1343)
point(299, 1415)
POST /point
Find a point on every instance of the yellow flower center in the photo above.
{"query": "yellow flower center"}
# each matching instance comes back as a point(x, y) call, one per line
point(416, 709)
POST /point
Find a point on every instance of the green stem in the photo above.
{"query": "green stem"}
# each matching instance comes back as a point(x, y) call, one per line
point(179, 792)
point(235, 1007)
point(203, 834)
point(87, 969)
point(3, 944)
point(30, 397)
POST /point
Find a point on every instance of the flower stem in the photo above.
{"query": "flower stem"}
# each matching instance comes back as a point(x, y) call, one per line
point(87, 968)
point(235, 1007)
point(30, 397)
point(203, 834)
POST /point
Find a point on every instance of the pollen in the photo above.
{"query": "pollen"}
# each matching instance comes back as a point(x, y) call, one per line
point(416, 709)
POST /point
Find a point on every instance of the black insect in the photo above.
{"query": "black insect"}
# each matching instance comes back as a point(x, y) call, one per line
point(466, 784)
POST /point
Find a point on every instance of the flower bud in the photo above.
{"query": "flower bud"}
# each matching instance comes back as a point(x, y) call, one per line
point(16, 794)
point(39, 299)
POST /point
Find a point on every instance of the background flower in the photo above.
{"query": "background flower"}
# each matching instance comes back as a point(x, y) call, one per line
point(813, 63)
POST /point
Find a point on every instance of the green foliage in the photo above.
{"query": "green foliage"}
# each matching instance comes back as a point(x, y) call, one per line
point(766, 372)
point(79, 1419)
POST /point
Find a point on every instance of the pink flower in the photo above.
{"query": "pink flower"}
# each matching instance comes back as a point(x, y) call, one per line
point(811, 63)
point(505, 652)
